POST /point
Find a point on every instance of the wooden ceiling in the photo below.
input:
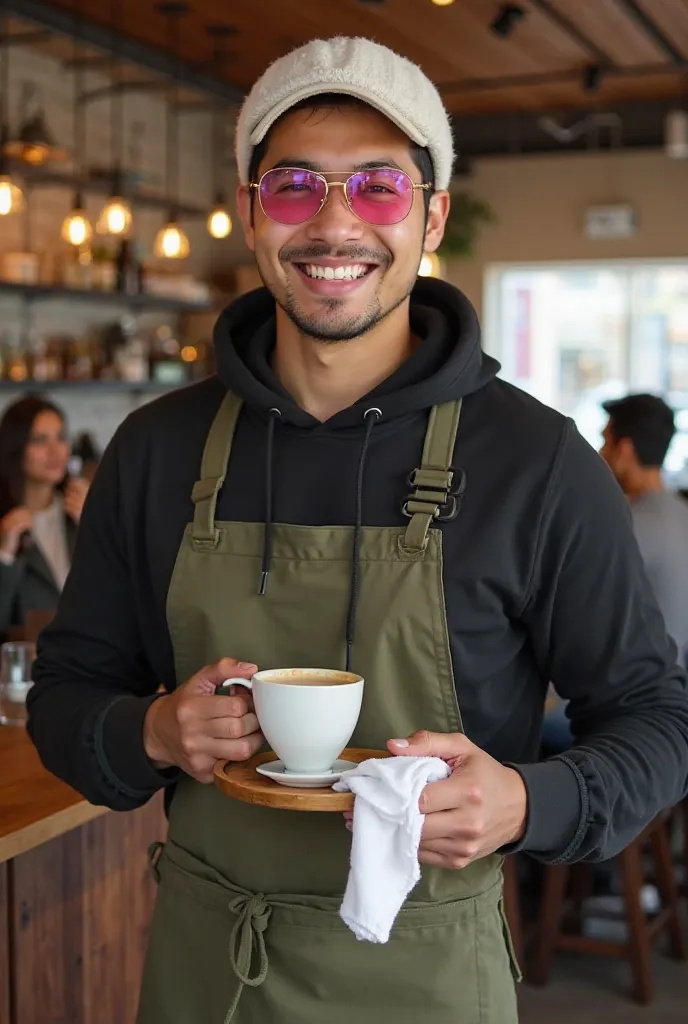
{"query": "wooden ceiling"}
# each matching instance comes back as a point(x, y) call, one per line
point(640, 46)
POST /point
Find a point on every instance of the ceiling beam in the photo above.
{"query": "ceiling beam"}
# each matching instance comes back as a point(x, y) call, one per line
point(62, 22)
point(553, 78)
point(573, 32)
point(653, 31)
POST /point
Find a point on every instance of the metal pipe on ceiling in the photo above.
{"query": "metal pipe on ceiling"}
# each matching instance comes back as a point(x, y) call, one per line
point(652, 30)
point(58, 20)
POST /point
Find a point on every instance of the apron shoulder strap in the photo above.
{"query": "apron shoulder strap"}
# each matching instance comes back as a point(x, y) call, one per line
point(213, 470)
point(437, 487)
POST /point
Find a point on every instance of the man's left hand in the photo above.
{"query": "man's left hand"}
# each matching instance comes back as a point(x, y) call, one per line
point(481, 807)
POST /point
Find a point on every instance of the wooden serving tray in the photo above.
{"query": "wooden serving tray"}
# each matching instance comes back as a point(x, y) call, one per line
point(241, 781)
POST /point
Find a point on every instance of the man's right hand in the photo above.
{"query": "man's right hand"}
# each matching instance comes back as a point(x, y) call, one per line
point(193, 727)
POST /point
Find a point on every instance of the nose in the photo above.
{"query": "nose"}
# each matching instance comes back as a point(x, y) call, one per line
point(335, 223)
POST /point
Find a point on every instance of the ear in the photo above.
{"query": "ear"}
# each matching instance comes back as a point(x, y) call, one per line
point(437, 218)
point(243, 202)
point(625, 451)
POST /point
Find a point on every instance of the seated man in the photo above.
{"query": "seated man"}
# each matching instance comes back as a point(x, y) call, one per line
point(636, 440)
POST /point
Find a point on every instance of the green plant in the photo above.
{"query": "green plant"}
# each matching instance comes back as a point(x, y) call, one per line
point(467, 214)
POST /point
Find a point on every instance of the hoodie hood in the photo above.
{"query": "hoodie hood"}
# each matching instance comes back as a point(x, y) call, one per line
point(448, 364)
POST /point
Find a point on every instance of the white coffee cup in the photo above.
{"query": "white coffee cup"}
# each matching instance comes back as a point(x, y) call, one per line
point(307, 715)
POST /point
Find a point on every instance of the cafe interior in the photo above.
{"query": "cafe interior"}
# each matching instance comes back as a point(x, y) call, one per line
point(120, 244)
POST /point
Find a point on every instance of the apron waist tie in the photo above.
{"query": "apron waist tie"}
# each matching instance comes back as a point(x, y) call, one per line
point(252, 916)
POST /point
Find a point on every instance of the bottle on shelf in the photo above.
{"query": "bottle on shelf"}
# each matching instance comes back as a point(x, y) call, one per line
point(132, 357)
point(167, 366)
point(104, 269)
point(16, 358)
point(129, 275)
point(46, 356)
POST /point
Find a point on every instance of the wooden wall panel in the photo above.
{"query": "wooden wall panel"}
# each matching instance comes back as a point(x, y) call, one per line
point(82, 906)
point(4, 948)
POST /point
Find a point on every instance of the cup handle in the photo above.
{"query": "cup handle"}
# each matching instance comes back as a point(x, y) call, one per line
point(223, 689)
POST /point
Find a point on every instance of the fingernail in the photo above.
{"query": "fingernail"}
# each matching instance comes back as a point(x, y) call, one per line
point(246, 664)
point(401, 743)
point(349, 826)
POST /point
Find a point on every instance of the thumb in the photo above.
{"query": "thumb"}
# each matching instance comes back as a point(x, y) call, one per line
point(445, 745)
point(208, 678)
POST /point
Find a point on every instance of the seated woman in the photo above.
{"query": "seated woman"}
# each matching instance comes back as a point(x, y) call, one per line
point(40, 508)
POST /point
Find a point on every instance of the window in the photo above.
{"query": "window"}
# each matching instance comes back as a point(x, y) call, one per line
point(574, 335)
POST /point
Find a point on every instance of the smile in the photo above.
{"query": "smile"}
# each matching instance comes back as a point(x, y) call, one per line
point(346, 272)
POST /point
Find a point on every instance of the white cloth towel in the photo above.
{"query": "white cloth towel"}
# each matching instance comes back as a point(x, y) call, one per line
point(386, 836)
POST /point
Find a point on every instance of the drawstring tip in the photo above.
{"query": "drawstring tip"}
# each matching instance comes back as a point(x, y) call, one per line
point(263, 584)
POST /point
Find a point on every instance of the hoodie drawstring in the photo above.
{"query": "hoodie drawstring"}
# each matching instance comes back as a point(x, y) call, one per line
point(371, 416)
point(274, 415)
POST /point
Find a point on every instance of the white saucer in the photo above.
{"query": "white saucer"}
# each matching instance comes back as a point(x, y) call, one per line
point(275, 770)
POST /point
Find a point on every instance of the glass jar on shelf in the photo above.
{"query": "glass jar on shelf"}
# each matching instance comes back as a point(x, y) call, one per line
point(16, 357)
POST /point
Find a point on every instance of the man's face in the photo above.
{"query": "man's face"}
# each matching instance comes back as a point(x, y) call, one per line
point(618, 454)
point(336, 142)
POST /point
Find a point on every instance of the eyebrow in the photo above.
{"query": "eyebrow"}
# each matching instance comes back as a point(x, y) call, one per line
point(309, 165)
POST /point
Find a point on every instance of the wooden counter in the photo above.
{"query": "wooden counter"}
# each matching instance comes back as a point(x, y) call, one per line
point(75, 897)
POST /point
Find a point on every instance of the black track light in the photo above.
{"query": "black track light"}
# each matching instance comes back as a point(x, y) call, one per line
point(592, 76)
point(507, 20)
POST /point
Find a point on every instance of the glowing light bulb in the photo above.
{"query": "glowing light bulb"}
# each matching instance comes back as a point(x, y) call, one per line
point(171, 243)
point(442, 3)
point(76, 228)
point(115, 217)
point(429, 265)
point(219, 223)
point(11, 196)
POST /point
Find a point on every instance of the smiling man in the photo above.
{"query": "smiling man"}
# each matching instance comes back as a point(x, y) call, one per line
point(355, 488)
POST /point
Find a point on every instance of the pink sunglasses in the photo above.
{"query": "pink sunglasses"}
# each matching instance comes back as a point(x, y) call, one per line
point(292, 195)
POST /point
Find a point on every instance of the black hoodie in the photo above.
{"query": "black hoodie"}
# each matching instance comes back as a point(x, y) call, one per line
point(543, 578)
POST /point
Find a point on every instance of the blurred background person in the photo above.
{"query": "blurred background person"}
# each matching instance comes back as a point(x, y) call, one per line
point(636, 440)
point(637, 436)
point(40, 509)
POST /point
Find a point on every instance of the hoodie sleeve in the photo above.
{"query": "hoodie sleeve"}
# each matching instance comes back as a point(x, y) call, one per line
point(93, 682)
point(599, 636)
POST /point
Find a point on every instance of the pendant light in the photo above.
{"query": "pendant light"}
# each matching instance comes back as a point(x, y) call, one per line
point(11, 196)
point(34, 143)
point(171, 242)
point(219, 220)
point(115, 217)
point(76, 228)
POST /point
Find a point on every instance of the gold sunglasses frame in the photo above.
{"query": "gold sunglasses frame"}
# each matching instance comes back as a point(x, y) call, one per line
point(423, 187)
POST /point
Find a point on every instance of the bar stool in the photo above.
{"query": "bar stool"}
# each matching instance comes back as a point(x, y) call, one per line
point(642, 931)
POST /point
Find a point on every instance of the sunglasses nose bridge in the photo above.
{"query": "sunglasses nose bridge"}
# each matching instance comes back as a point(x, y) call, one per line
point(343, 196)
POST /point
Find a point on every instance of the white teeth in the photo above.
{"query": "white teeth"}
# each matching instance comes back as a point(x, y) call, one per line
point(349, 273)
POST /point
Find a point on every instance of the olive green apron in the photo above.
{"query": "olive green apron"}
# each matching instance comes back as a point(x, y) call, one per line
point(246, 927)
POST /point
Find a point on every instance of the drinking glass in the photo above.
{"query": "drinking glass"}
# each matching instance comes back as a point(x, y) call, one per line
point(16, 663)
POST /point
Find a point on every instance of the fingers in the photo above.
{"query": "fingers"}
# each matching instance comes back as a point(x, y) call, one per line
point(208, 678)
point(233, 750)
point(199, 762)
point(443, 858)
point(447, 746)
point(232, 728)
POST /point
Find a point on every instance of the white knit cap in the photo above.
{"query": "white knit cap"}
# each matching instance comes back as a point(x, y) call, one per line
point(357, 67)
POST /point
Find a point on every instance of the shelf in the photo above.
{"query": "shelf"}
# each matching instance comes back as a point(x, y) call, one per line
point(46, 177)
point(47, 293)
point(114, 386)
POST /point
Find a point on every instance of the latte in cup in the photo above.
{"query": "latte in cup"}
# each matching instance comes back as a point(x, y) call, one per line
point(307, 715)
